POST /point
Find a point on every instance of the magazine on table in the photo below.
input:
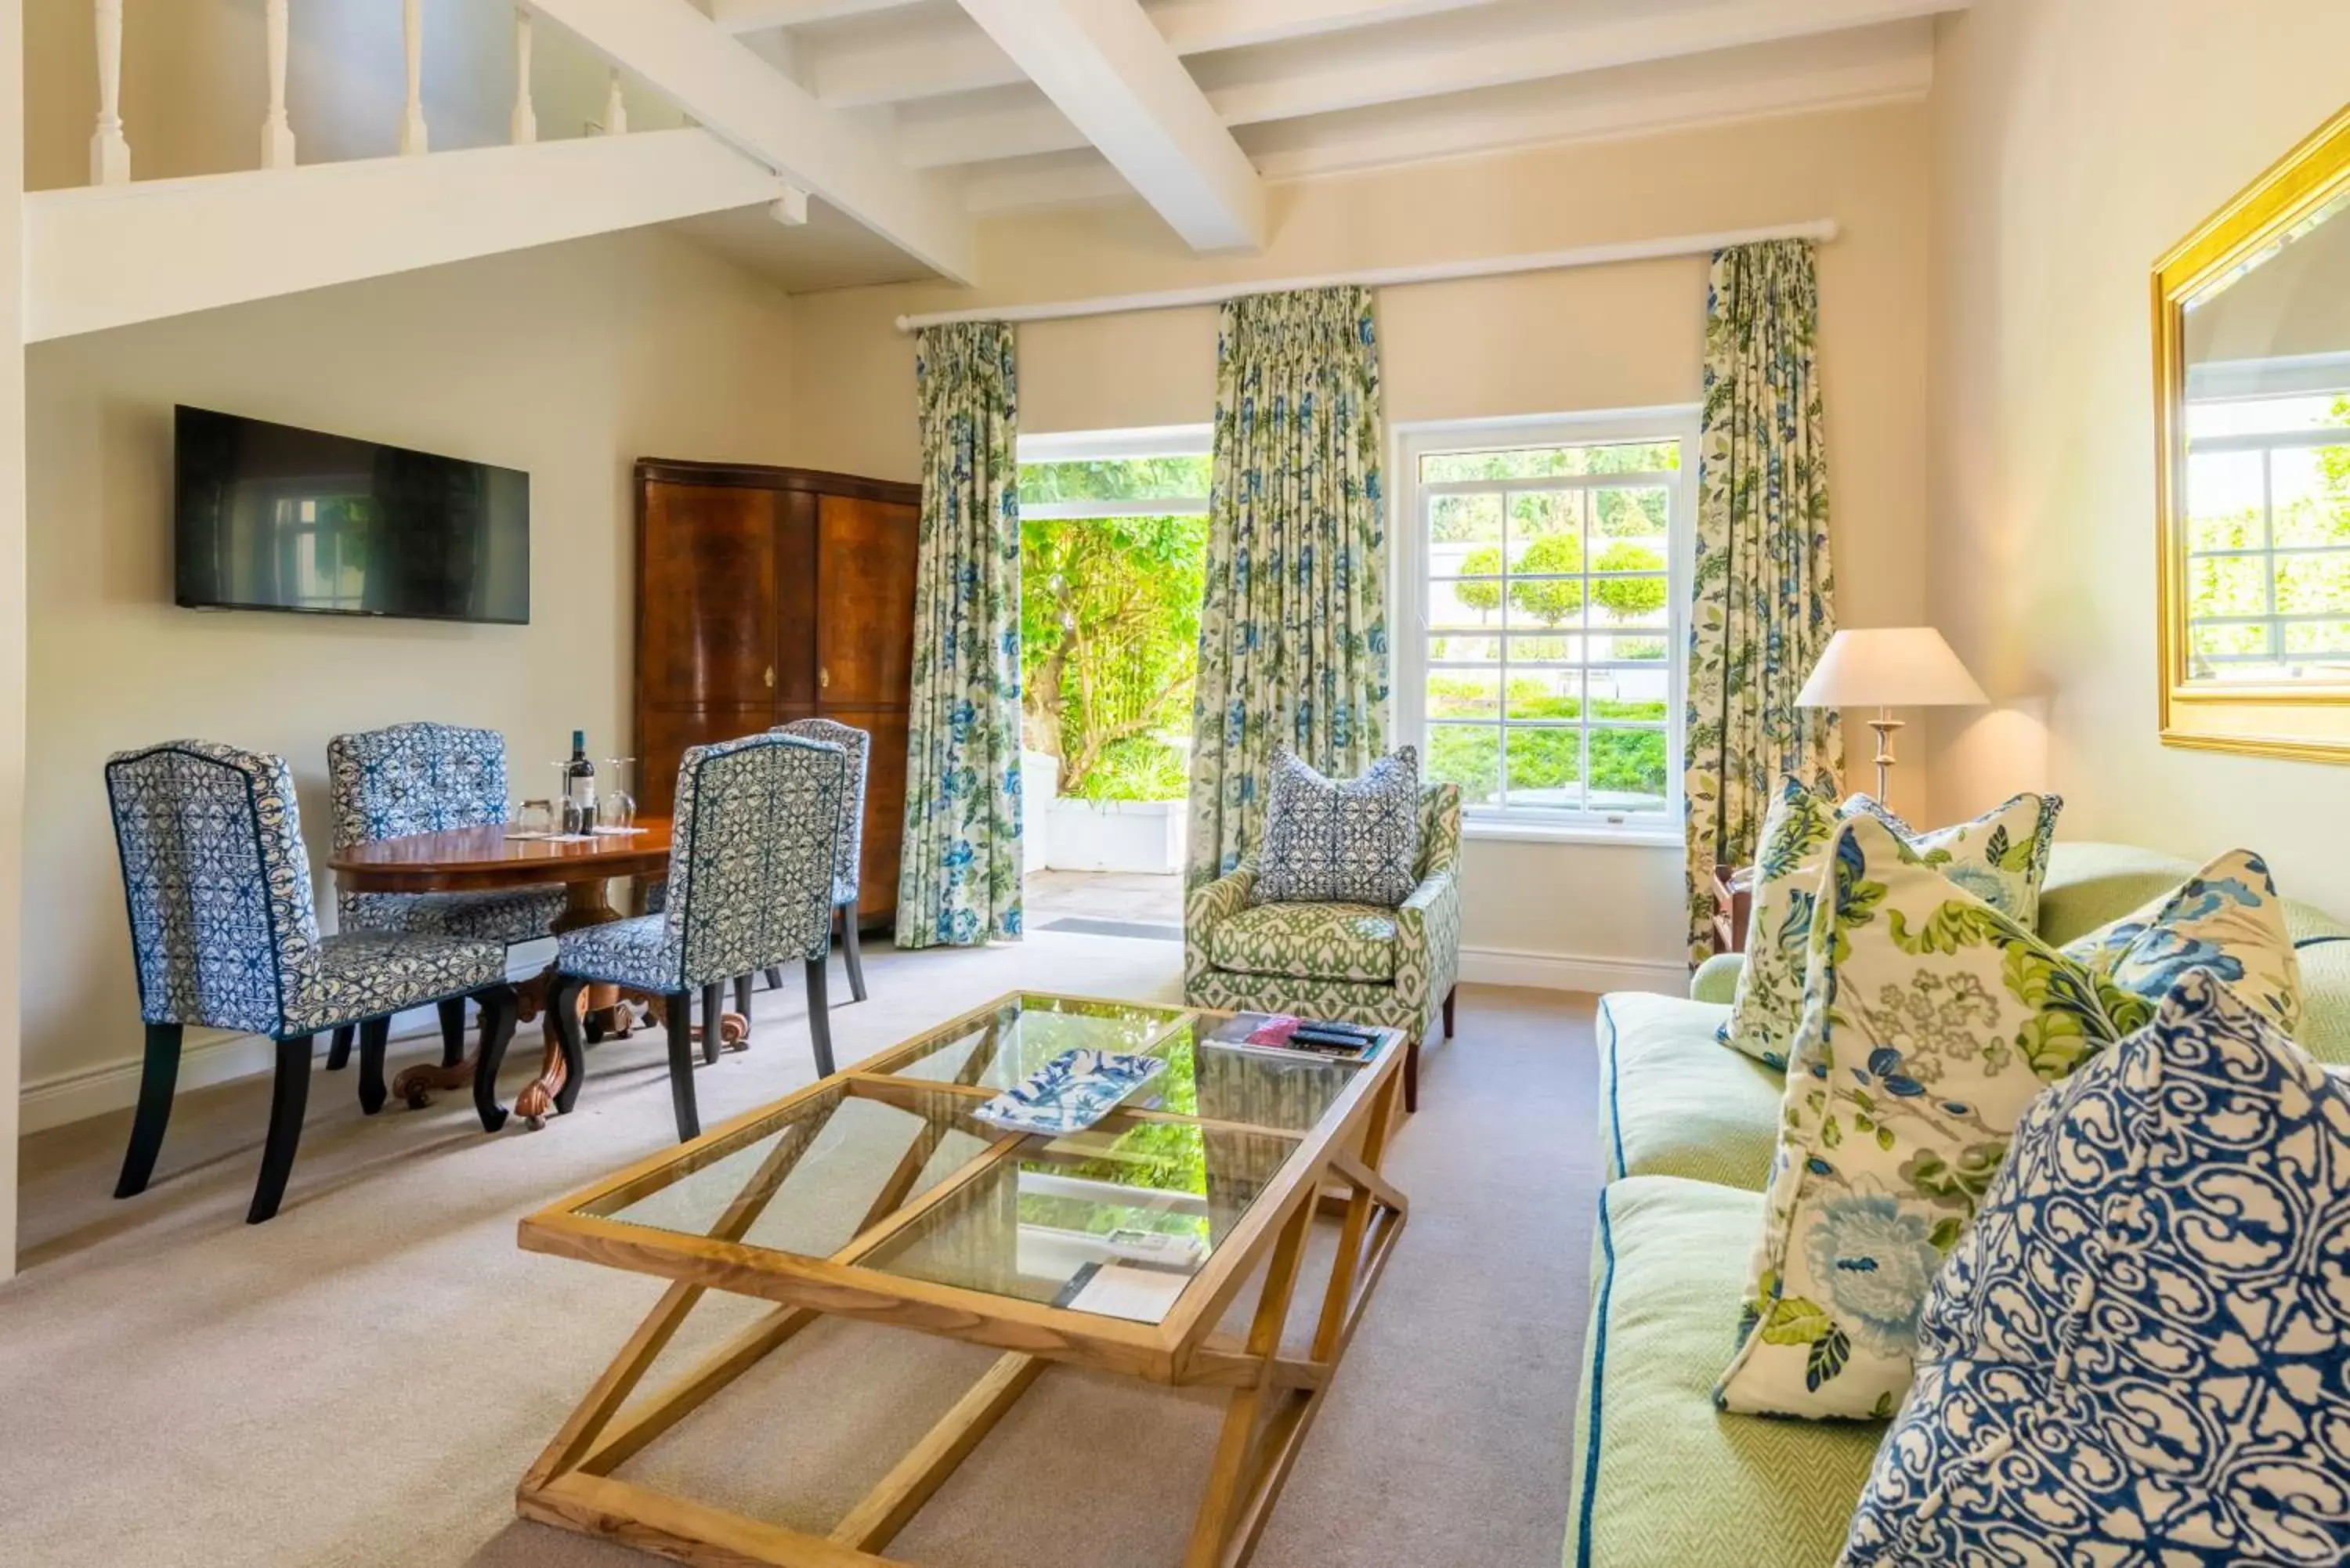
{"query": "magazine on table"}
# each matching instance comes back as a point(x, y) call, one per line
point(1285, 1034)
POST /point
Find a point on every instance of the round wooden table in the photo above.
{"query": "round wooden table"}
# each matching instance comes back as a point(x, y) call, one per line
point(489, 859)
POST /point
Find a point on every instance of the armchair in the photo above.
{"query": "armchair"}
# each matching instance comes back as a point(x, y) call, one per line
point(1358, 962)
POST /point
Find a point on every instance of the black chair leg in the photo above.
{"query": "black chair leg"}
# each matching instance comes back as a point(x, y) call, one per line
point(338, 1051)
point(679, 1005)
point(452, 1032)
point(375, 1034)
point(849, 955)
point(819, 1018)
point(713, 1007)
point(743, 1003)
point(774, 974)
point(1448, 1011)
point(498, 1009)
point(157, 1080)
point(288, 1099)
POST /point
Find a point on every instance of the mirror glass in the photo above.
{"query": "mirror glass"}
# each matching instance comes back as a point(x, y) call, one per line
point(2264, 516)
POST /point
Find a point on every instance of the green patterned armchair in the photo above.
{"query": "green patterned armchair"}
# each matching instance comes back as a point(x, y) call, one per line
point(1356, 962)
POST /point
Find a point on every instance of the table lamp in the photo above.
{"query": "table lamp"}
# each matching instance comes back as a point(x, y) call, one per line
point(1887, 668)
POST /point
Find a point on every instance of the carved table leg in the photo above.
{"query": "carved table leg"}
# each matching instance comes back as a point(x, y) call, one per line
point(585, 905)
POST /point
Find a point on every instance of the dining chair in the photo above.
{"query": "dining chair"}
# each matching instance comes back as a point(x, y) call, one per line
point(847, 850)
point(749, 886)
point(428, 778)
point(225, 935)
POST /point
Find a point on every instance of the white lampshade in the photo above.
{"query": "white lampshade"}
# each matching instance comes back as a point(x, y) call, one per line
point(1890, 667)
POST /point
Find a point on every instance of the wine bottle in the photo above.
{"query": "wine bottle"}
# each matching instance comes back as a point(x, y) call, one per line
point(579, 787)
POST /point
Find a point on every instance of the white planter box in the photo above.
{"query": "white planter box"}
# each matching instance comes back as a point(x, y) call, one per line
point(1116, 836)
point(1040, 785)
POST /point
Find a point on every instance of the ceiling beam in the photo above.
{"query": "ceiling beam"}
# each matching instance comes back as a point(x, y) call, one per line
point(1410, 63)
point(1105, 66)
point(930, 56)
point(685, 57)
point(752, 15)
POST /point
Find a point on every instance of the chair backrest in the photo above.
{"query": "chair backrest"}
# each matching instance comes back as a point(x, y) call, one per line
point(1439, 829)
point(415, 778)
point(848, 855)
point(750, 869)
point(217, 883)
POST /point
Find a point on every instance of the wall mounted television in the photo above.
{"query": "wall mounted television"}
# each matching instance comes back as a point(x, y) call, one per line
point(272, 517)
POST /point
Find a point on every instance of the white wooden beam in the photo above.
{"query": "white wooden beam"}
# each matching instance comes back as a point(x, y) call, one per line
point(684, 57)
point(1106, 68)
point(752, 15)
point(103, 257)
point(932, 56)
point(1410, 63)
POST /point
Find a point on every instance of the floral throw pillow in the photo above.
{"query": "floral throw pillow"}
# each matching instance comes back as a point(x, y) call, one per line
point(2141, 1351)
point(2001, 856)
point(1930, 1021)
point(1340, 841)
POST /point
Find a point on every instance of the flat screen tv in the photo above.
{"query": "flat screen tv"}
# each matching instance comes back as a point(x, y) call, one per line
point(272, 517)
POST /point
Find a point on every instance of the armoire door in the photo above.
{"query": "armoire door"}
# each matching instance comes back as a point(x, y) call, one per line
point(707, 613)
point(865, 554)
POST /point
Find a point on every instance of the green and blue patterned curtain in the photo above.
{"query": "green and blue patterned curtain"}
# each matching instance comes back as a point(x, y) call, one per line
point(958, 878)
point(1292, 627)
point(1763, 590)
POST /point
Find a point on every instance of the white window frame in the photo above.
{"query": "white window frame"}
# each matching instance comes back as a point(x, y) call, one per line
point(1115, 446)
point(1407, 604)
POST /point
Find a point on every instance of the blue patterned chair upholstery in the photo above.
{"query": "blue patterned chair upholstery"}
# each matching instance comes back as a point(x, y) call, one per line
point(848, 850)
point(750, 886)
point(225, 935)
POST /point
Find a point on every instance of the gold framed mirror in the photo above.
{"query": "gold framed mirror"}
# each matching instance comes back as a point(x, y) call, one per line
point(2252, 331)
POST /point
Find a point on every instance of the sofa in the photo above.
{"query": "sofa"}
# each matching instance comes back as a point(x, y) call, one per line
point(1661, 1479)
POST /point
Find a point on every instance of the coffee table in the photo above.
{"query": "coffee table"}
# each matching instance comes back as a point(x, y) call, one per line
point(876, 1194)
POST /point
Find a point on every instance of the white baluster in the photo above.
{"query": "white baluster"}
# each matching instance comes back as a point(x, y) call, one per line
point(524, 127)
point(110, 153)
point(616, 111)
point(276, 132)
point(412, 138)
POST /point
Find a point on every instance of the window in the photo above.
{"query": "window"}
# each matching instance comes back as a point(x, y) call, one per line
point(1542, 668)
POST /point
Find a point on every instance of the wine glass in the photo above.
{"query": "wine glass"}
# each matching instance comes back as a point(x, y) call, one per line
point(566, 816)
point(616, 809)
point(535, 818)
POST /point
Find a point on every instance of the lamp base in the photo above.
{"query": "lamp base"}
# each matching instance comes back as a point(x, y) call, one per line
point(1884, 724)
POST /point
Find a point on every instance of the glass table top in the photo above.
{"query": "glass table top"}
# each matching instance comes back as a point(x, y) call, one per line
point(886, 1168)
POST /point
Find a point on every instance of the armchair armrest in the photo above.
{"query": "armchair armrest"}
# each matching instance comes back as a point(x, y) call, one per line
point(1204, 907)
point(1428, 944)
point(1716, 979)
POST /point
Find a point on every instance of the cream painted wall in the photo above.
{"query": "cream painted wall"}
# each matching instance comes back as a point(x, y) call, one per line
point(569, 362)
point(12, 604)
point(1598, 338)
point(2074, 144)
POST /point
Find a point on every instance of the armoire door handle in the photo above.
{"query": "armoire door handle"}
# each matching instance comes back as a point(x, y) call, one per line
point(824, 678)
point(770, 678)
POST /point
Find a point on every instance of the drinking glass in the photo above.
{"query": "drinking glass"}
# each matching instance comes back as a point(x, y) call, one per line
point(616, 808)
point(536, 816)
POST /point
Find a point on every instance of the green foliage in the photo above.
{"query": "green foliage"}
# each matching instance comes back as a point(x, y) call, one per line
point(1484, 597)
point(1542, 463)
point(1109, 622)
point(1119, 479)
point(1554, 601)
point(1629, 598)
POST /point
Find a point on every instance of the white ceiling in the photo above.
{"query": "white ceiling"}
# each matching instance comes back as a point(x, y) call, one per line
point(1015, 105)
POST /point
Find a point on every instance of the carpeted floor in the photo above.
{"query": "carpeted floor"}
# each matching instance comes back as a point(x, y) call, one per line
point(362, 1381)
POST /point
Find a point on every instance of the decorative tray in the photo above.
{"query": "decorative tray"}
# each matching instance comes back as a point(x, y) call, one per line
point(1070, 1093)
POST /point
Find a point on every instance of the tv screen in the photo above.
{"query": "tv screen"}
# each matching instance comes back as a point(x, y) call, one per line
point(272, 517)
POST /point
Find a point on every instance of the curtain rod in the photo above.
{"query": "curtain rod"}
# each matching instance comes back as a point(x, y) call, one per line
point(1820, 230)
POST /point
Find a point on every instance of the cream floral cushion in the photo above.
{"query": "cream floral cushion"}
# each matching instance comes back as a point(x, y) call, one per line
point(1308, 942)
point(2001, 857)
point(1930, 1021)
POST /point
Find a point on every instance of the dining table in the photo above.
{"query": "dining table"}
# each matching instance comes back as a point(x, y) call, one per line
point(498, 857)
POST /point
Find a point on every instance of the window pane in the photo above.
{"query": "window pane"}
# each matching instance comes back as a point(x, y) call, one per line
point(1627, 769)
point(1464, 534)
point(1467, 755)
point(2237, 637)
point(2329, 638)
point(1115, 479)
point(2227, 585)
point(1547, 694)
point(1546, 531)
point(1540, 650)
point(1654, 645)
point(1641, 694)
point(2224, 498)
point(1538, 603)
point(1546, 767)
point(1634, 512)
point(2311, 495)
point(1641, 601)
point(1471, 605)
point(1464, 694)
point(1464, 649)
point(1549, 462)
point(2314, 584)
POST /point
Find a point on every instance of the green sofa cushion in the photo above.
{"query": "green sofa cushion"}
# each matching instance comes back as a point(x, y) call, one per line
point(2090, 885)
point(1675, 1101)
point(1308, 942)
point(1660, 1478)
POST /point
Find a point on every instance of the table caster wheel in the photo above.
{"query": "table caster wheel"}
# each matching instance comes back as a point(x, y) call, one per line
point(417, 1099)
point(533, 1123)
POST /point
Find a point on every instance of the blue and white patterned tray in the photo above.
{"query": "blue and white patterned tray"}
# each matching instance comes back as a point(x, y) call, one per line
point(1070, 1093)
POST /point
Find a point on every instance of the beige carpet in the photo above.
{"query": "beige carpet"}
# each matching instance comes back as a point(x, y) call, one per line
point(361, 1381)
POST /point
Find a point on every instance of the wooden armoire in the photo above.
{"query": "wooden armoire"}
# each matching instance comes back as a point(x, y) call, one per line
point(766, 595)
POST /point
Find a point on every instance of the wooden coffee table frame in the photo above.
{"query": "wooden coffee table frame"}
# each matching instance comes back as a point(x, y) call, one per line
point(1272, 1397)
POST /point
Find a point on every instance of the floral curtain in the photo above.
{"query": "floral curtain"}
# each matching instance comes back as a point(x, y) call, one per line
point(959, 877)
point(1293, 626)
point(1763, 590)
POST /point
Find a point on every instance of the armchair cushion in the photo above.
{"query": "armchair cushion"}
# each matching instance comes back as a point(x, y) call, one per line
point(623, 952)
point(1339, 840)
point(1310, 941)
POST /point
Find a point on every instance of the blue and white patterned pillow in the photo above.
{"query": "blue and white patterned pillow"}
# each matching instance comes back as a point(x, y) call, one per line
point(1340, 841)
point(2139, 1354)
